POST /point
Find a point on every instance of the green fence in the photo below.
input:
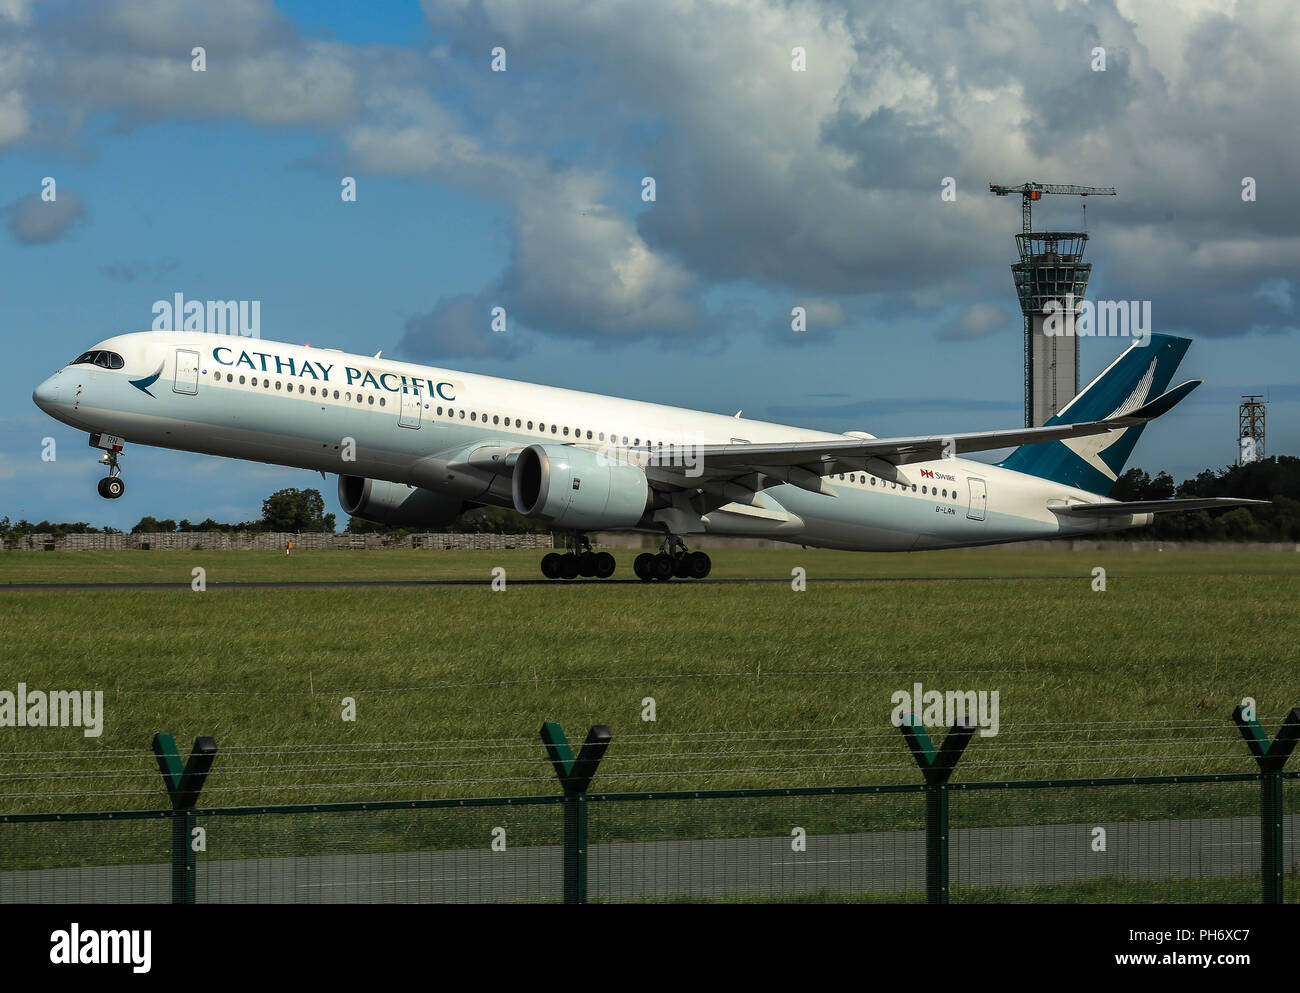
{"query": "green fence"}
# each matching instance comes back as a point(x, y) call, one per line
point(1183, 839)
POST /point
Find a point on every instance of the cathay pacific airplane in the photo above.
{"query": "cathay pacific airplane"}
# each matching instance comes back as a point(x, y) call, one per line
point(414, 446)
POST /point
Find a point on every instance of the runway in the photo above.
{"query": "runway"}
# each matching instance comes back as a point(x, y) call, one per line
point(346, 584)
point(881, 863)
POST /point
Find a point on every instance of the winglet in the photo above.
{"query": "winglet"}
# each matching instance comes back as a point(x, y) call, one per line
point(1165, 401)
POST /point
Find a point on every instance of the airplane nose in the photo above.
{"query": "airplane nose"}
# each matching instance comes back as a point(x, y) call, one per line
point(47, 395)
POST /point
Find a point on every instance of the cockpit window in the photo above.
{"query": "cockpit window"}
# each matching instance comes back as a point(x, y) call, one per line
point(105, 360)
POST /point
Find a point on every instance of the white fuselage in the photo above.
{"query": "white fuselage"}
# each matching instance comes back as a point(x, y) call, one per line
point(355, 415)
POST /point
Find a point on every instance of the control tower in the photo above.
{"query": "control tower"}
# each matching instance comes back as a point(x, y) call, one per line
point(1050, 270)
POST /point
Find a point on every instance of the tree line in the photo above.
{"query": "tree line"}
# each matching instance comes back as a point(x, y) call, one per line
point(291, 510)
point(1276, 478)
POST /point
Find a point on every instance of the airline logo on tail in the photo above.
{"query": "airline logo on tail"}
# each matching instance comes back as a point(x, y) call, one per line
point(1089, 448)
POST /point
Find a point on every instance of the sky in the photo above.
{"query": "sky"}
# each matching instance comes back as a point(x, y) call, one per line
point(798, 152)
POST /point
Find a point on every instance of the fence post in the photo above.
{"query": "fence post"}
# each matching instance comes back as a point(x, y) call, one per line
point(575, 775)
point(937, 767)
point(183, 788)
point(1271, 758)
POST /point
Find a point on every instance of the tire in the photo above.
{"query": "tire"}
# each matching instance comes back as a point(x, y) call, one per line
point(605, 565)
point(586, 565)
point(661, 567)
point(681, 566)
point(114, 487)
point(102, 491)
point(643, 566)
point(551, 565)
point(699, 565)
point(569, 566)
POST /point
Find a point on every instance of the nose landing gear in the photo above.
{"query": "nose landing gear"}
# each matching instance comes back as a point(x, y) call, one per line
point(672, 562)
point(111, 486)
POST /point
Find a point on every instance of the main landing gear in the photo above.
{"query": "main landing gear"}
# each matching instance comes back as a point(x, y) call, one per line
point(672, 562)
point(580, 560)
point(111, 486)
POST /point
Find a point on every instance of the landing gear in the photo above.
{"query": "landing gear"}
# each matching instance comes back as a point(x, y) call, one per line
point(672, 562)
point(111, 486)
point(579, 561)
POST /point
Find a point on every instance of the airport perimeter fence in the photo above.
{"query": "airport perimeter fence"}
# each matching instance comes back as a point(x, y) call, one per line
point(272, 541)
point(1228, 838)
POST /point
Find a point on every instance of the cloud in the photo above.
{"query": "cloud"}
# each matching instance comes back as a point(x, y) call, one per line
point(15, 11)
point(129, 272)
point(819, 183)
point(459, 326)
point(859, 410)
point(33, 221)
point(979, 320)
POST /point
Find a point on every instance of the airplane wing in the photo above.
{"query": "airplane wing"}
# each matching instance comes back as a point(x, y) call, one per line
point(1159, 506)
point(804, 463)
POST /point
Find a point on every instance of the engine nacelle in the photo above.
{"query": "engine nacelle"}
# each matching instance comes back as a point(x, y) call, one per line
point(579, 489)
point(396, 504)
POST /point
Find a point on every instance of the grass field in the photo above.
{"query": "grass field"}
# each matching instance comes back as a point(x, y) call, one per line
point(754, 685)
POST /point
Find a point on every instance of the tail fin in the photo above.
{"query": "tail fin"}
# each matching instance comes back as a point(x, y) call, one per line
point(1094, 463)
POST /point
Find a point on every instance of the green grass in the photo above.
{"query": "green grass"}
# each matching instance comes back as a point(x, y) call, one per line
point(755, 685)
point(373, 565)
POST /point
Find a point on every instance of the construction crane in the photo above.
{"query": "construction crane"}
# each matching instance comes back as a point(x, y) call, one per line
point(1030, 192)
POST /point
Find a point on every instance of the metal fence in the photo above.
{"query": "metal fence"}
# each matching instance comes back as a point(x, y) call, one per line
point(1038, 841)
point(270, 541)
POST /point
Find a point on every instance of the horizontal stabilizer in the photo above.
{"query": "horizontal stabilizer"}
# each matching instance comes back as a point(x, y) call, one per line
point(1159, 506)
point(1166, 401)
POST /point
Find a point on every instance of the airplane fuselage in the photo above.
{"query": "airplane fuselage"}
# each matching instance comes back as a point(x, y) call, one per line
point(446, 431)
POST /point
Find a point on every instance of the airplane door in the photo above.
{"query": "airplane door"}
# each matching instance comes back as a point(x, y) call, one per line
point(979, 499)
point(187, 371)
point(412, 405)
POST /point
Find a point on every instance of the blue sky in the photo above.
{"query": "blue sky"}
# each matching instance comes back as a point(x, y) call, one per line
point(522, 189)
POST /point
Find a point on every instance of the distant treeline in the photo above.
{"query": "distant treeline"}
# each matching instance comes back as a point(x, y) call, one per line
point(290, 510)
point(1276, 479)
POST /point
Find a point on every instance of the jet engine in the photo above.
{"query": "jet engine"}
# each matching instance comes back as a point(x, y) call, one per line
point(578, 489)
point(396, 504)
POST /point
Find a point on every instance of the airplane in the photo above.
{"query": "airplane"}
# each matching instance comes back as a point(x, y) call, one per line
point(415, 446)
